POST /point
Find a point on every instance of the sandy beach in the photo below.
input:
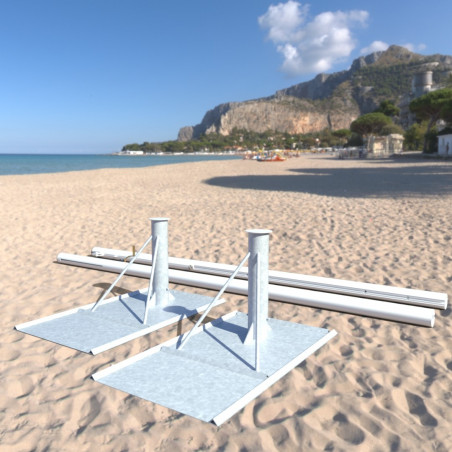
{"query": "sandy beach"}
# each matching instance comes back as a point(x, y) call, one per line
point(377, 386)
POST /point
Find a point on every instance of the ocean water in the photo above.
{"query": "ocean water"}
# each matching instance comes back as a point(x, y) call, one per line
point(53, 163)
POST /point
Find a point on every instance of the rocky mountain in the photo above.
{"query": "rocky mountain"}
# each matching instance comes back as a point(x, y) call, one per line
point(330, 100)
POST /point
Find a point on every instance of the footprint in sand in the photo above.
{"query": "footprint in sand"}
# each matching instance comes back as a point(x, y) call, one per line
point(347, 430)
point(270, 412)
point(319, 377)
point(306, 372)
point(366, 391)
point(431, 372)
point(416, 406)
point(357, 331)
point(346, 350)
point(411, 343)
point(279, 436)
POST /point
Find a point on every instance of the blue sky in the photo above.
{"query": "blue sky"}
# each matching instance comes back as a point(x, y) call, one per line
point(88, 76)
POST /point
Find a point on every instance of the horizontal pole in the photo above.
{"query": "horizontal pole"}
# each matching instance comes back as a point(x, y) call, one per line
point(435, 300)
point(415, 315)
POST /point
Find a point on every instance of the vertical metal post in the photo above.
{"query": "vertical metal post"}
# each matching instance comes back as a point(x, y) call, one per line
point(160, 289)
point(151, 285)
point(258, 244)
point(257, 351)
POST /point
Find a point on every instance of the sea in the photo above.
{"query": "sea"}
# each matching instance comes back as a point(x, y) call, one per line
point(55, 163)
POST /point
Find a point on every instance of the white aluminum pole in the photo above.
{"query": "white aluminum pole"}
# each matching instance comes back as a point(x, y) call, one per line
point(256, 319)
point(150, 287)
point(402, 295)
point(415, 315)
point(258, 282)
point(160, 288)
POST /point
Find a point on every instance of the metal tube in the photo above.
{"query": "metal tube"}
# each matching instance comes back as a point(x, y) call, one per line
point(258, 281)
point(150, 288)
point(256, 321)
point(402, 295)
point(415, 315)
point(160, 284)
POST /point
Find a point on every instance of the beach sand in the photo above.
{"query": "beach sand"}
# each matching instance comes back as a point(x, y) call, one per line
point(377, 386)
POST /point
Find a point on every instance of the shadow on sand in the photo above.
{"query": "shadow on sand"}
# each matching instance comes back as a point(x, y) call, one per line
point(379, 182)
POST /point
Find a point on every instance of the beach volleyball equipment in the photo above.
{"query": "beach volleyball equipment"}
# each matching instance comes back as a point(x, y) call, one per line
point(215, 369)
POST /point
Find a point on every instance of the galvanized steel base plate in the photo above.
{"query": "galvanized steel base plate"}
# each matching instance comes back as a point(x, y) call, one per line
point(213, 376)
point(114, 322)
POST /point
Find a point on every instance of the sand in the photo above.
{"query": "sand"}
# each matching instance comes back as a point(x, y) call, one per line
point(377, 386)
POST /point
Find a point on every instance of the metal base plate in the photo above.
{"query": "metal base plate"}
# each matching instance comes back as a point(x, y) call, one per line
point(116, 321)
point(213, 376)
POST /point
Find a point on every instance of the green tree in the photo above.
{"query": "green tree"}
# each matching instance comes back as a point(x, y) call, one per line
point(131, 147)
point(173, 146)
point(355, 140)
point(370, 124)
point(448, 82)
point(414, 136)
point(431, 139)
point(343, 135)
point(432, 107)
point(388, 108)
point(446, 111)
point(392, 128)
point(308, 141)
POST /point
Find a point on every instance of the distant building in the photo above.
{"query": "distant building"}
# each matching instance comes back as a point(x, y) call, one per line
point(130, 152)
point(445, 145)
point(385, 145)
point(421, 83)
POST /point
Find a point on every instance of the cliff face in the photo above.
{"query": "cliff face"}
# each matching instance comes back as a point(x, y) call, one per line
point(285, 114)
point(328, 101)
point(281, 113)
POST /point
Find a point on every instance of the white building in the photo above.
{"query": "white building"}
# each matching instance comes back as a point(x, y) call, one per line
point(130, 152)
point(445, 145)
point(385, 145)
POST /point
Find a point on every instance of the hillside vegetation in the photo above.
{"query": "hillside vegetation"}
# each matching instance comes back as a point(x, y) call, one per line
point(316, 108)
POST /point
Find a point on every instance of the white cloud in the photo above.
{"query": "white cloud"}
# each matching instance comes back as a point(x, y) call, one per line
point(409, 46)
point(414, 47)
point(376, 46)
point(283, 20)
point(310, 46)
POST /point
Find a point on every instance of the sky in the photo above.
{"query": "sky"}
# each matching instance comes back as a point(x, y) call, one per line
point(89, 76)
